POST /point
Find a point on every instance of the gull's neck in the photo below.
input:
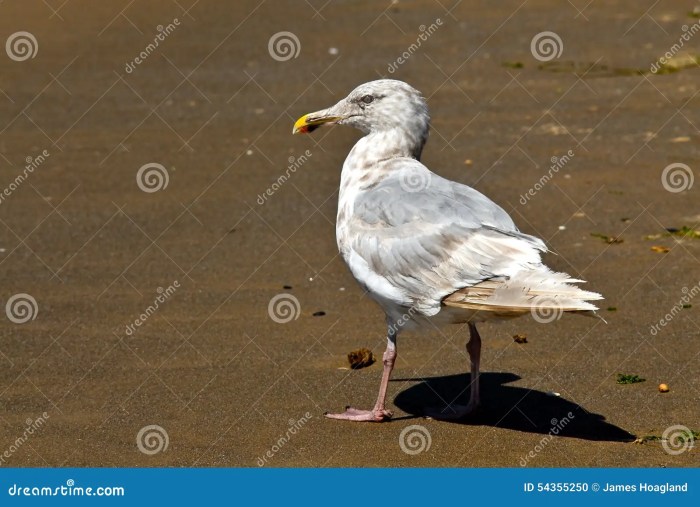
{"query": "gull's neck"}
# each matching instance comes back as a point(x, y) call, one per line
point(363, 168)
point(381, 145)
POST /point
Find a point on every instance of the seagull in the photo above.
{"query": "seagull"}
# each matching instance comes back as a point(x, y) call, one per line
point(428, 250)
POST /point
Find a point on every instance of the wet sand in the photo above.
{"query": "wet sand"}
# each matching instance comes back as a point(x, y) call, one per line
point(212, 106)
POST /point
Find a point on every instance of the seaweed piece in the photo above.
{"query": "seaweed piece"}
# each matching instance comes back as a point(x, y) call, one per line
point(623, 378)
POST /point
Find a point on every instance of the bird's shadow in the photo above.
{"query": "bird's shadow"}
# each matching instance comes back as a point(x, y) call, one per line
point(504, 406)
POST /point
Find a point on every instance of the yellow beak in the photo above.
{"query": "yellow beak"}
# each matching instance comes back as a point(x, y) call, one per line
point(310, 122)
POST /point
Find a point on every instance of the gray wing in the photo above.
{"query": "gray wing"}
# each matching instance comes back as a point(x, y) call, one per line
point(417, 237)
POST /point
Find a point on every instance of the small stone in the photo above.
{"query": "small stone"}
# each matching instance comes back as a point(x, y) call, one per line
point(249, 152)
point(663, 388)
point(333, 51)
point(468, 162)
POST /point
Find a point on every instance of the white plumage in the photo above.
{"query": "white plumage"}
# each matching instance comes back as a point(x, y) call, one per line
point(426, 248)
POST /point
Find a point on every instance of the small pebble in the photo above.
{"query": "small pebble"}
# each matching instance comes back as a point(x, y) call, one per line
point(333, 51)
point(663, 388)
point(562, 227)
point(249, 152)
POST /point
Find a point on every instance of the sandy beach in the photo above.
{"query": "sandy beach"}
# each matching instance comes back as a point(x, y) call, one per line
point(154, 203)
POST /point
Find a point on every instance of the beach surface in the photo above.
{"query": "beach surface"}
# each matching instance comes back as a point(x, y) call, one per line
point(168, 205)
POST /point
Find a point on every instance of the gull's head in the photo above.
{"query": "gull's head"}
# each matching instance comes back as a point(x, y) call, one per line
point(376, 106)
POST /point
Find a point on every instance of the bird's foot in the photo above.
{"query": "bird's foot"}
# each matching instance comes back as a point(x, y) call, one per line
point(453, 412)
point(354, 414)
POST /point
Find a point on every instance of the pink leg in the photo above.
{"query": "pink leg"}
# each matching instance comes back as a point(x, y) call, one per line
point(452, 412)
point(379, 413)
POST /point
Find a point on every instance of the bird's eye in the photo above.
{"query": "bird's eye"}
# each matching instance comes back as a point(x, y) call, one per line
point(367, 99)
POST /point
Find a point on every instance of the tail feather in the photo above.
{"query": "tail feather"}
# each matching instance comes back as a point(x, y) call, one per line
point(524, 292)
